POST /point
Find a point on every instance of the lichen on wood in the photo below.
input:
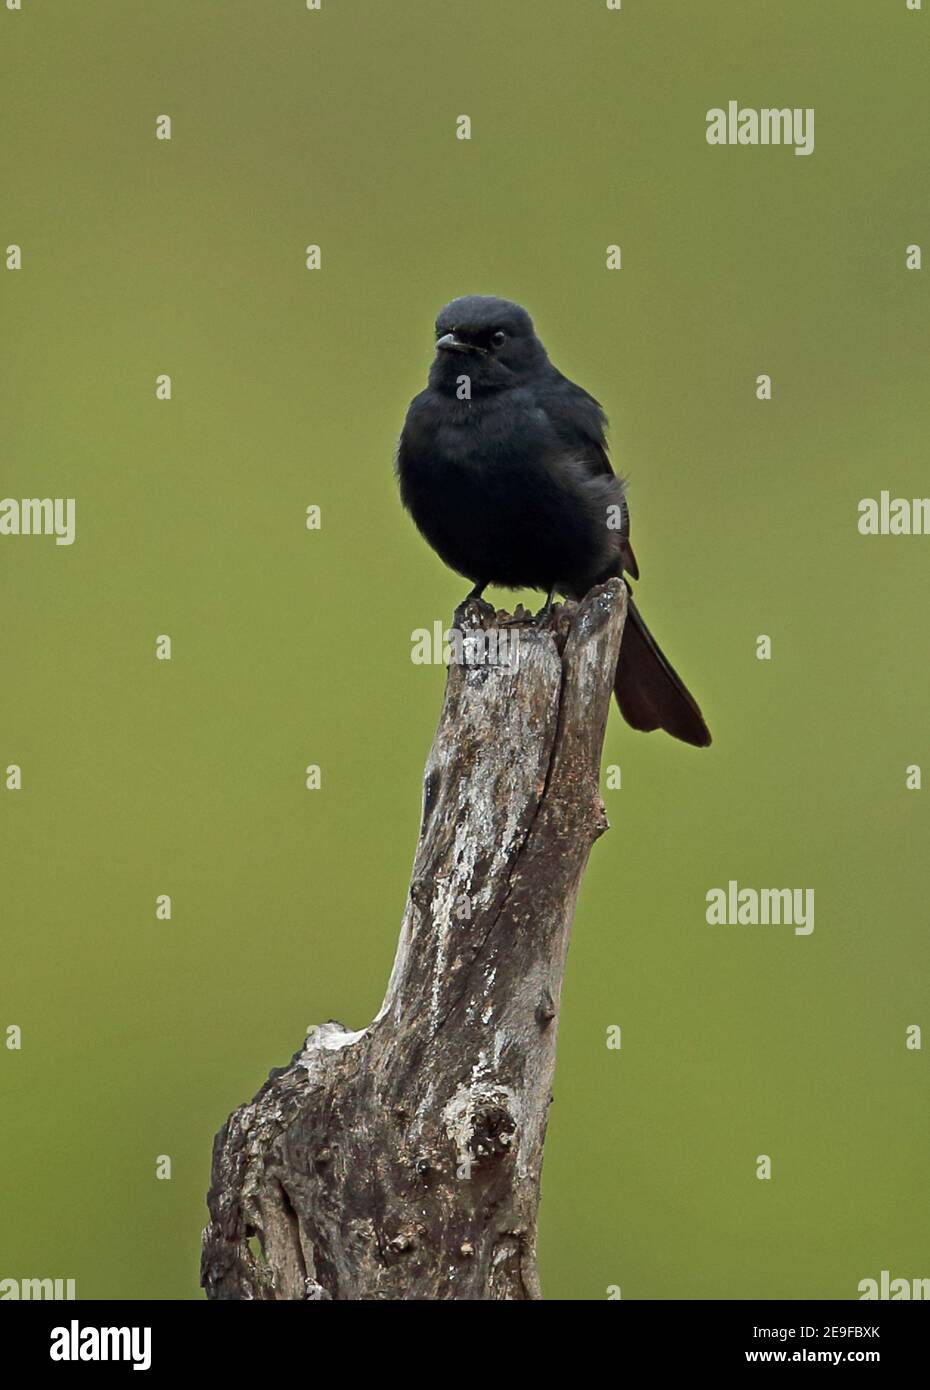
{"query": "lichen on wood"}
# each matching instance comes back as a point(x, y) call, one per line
point(403, 1161)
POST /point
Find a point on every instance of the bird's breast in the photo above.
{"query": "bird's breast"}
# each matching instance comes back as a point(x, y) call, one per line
point(479, 480)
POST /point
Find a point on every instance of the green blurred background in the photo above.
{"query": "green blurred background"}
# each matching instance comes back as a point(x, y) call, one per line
point(291, 647)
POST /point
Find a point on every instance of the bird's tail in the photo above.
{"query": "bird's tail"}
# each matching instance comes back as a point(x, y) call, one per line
point(650, 693)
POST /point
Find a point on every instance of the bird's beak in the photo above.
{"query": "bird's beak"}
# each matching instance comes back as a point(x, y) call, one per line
point(450, 343)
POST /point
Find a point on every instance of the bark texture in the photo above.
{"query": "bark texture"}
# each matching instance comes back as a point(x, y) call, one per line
point(403, 1161)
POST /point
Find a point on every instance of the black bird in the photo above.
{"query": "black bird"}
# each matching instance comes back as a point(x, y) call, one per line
point(503, 466)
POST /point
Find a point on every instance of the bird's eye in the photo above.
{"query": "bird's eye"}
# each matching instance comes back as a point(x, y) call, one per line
point(499, 338)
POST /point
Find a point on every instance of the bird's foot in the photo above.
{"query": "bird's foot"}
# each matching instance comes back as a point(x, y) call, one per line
point(543, 617)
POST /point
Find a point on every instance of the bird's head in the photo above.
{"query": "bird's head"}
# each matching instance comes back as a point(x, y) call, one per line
point(490, 341)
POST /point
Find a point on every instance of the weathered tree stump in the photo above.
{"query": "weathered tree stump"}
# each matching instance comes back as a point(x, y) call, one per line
point(403, 1161)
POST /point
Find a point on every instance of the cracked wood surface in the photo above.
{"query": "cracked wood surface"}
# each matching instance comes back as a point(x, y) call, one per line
point(403, 1161)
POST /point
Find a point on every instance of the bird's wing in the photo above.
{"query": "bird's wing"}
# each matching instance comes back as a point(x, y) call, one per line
point(581, 424)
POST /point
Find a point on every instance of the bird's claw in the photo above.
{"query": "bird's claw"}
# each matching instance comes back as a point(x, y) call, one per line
point(544, 615)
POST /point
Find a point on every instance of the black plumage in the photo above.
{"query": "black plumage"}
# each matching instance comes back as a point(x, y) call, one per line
point(503, 466)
